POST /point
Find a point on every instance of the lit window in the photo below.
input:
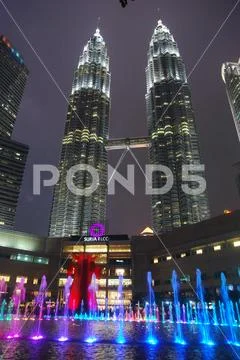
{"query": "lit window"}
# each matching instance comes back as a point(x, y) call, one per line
point(169, 258)
point(73, 249)
point(96, 249)
point(41, 260)
point(115, 282)
point(113, 298)
point(35, 281)
point(155, 260)
point(119, 272)
point(101, 282)
point(62, 282)
point(19, 279)
point(217, 247)
point(112, 295)
point(22, 257)
point(119, 248)
point(101, 259)
point(101, 295)
point(199, 252)
point(104, 271)
point(183, 255)
point(236, 244)
point(6, 278)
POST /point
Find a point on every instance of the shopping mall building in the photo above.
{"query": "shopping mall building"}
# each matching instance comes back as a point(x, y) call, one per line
point(212, 246)
point(31, 257)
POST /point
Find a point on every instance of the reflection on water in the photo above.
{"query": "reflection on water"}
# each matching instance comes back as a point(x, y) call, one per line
point(52, 350)
point(106, 348)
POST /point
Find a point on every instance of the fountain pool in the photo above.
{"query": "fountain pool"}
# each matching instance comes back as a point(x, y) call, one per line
point(167, 330)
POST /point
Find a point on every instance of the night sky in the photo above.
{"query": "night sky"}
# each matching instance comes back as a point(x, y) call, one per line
point(59, 29)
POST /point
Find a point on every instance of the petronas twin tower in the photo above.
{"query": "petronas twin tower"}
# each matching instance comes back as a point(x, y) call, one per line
point(171, 126)
point(171, 129)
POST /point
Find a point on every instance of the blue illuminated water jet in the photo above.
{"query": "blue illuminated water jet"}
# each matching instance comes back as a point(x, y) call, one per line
point(175, 286)
point(120, 336)
point(37, 337)
point(91, 340)
point(120, 340)
point(151, 338)
point(63, 339)
point(203, 312)
point(228, 310)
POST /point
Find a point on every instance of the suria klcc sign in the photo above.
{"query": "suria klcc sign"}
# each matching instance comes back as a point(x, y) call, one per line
point(191, 175)
point(96, 239)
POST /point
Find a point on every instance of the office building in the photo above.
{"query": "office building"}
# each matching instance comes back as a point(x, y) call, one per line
point(173, 134)
point(86, 132)
point(13, 156)
point(13, 77)
point(231, 78)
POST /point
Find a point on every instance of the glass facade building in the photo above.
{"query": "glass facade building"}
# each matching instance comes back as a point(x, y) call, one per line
point(13, 157)
point(171, 127)
point(231, 78)
point(86, 133)
point(13, 77)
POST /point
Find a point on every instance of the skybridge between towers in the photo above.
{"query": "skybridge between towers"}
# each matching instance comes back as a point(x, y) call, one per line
point(128, 143)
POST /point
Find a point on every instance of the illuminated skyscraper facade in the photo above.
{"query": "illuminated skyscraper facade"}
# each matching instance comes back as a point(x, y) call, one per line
point(171, 127)
point(86, 133)
point(231, 78)
point(13, 77)
point(13, 155)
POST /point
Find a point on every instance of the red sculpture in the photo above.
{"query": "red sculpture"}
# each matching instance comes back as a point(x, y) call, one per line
point(82, 269)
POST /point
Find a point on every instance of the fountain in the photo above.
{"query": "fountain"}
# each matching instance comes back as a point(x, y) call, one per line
point(203, 312)
point(56, 310)
point(39, 301)
point(18, 296)
point(151, 338)
point(120, 336)
point(215, 320)
point(200, 320)
point(175, 286)
point(3, 288)
point(2, 309)
point(9, 310)
point(228, 311)
point(67, 286)
point(92, 299)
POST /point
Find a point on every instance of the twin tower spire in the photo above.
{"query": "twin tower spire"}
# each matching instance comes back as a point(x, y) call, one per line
point(171, 130)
